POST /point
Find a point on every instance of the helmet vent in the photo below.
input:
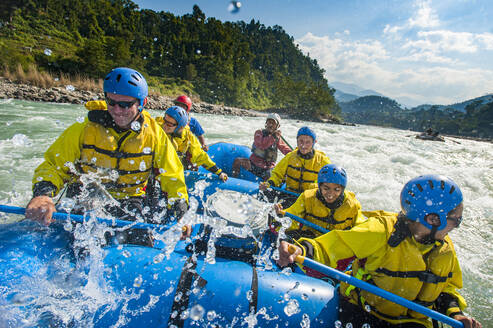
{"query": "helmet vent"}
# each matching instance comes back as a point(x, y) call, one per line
point(452, 189)
point(411, 193)
point(419, 187)
point(118, 77)
point(132, 83)
point(136, 77)
point(408, 202)
point(430, 183)
point(442, 185)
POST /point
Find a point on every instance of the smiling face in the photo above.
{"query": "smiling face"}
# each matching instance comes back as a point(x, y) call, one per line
point(122, 116)
point(305, 144)
point(330, 191)
point(270, 125)
point(169, 125)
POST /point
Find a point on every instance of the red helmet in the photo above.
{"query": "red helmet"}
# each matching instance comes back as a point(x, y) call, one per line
point(184, 100)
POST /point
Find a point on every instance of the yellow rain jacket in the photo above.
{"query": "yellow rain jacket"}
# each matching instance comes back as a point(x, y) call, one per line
point(123, 160)
point(310, 208)
point(415, 271)
point(300, 174)
point(189, 149)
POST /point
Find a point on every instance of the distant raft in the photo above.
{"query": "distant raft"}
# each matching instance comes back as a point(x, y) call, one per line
point(425, 136)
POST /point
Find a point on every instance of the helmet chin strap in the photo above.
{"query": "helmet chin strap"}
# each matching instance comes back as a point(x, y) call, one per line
point(430, 239)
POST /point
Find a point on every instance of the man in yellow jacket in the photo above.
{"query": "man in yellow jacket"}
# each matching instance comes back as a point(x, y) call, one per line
point(188, 148)
point(299, 168)
point(117, 148)
point(330, 206)
point(409, 254)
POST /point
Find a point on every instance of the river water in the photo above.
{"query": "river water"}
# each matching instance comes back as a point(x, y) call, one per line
point(378, 161)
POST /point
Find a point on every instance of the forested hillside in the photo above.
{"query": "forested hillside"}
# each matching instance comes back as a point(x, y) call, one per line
point(475, 121)
point(239, 64)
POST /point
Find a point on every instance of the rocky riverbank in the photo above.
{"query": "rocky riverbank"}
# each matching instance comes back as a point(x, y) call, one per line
point(71, 95)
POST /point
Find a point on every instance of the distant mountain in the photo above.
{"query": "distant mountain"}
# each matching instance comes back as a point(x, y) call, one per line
point(472, 118)
point(461, 107)
point(344, 97)
point(353, 89)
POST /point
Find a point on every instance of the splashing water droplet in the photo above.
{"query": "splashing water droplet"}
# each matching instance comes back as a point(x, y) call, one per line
point(147, 150)
point(48, 52)
point(155, 39)
point(234, 7)
point(142, 166)
point(337, 324)
point(292, 308)
point(198, 51)
point(135, 126)
point(211, 315)
point(197, 312)
point(305, 322)
point(69, 87)
point(138, 281)
point(80, 119)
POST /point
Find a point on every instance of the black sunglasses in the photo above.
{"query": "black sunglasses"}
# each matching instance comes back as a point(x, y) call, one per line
point(122, 104)
point(457, 221)
point(168, 123)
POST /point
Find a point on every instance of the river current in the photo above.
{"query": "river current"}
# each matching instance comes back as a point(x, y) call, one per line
point(378, 162)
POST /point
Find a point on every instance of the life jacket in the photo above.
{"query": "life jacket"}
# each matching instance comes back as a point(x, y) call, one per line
point(189, 149)
point(123, 159)
point(309, 207)
point(299, 171)
point(411, 270)
point(270, 153)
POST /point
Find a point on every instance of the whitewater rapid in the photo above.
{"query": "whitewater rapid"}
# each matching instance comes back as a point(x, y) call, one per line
point(378, 162)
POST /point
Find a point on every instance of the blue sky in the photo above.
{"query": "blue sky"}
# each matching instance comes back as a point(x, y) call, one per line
point(419, 51)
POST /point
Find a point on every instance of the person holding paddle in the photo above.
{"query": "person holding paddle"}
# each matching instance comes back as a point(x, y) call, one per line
point(266, 143)
point(330, 205)
point(408, 254)
point(115, 149)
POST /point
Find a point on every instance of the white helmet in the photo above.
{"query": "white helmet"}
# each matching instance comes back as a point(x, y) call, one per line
point(275, 117)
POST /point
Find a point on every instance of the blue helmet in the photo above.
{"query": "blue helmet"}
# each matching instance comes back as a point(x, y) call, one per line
point(128, 82)
point(180, 116)
point(430, 194)
point(307, 132)
point(332, 173)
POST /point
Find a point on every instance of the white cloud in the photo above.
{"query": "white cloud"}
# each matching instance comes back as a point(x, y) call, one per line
point(425, 17)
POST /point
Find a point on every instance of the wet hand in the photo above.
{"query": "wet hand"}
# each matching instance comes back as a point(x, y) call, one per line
point(223, 176)
point(279, 210)
point(263, 185)
point(205, 147)
point(277, 134)
point(467, 321)
point(41, 209)
point(186, 232)
point(287, 253)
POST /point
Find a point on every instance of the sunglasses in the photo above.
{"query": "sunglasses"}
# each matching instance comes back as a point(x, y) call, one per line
point(168, 123)
point(122, 104)
point(457, 221)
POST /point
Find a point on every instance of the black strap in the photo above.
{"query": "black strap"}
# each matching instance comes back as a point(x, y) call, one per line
point(254, 299)
point(424, 276)
point(187, 277)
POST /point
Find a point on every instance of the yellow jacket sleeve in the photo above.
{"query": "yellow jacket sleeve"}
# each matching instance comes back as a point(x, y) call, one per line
point(61, 157)
point(96, 105)
point(361, 241)
point(278, 174)
point(171, 176)
point(199, 156)
point(298, 209)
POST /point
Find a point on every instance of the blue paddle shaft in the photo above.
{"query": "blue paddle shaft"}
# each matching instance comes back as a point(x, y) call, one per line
point(284, 191)
point(307, 223)
point(80, 219)
point(380, 292)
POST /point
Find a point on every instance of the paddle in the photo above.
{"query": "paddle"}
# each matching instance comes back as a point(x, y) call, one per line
point(307, 223)
point(284, 191)
point(374, 290)
point(287, 143)
point(80, 219)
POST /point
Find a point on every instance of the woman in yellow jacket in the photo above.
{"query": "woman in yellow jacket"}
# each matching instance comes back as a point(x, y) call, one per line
point(188, 148)
point(329, 206)
point(299, 168)
point(117, 149)
point(409, 254)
